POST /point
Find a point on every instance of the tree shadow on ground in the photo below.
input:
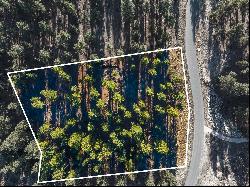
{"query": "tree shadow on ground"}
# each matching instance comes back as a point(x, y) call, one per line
point(228, 158)
point(131, 90)
point(197, 13)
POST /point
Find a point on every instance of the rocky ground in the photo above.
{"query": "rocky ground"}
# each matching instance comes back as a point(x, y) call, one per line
point(223, 163)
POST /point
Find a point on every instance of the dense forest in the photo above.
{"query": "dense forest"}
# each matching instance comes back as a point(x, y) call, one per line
point(229, 45)
point(39, 33)
point(131, 117)
point(221, 30)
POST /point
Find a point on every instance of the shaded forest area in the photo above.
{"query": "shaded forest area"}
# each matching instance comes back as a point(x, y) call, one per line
point(229, 46)
point(221, 28)
point(228, 54)
point(129, 118)
point(38, 33)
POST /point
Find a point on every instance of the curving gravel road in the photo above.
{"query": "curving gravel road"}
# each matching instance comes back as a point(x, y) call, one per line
point(225, 138)
point(199, 120)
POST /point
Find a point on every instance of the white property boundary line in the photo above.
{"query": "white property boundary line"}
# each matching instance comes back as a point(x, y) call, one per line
point(103, 59)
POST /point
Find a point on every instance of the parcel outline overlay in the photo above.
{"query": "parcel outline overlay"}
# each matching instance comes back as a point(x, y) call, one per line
point(96, 60)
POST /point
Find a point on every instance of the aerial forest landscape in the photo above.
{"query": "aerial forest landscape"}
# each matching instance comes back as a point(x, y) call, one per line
point(133, 116)
point(124, 92)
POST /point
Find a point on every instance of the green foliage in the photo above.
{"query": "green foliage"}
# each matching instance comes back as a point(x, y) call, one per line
point(118, 97)
point(44, 55)
point(98, 145)
point(161, 96)
point(90, 127)
point(163, 87)
point(94, 57)
point(86, 144)
point(88, 78)
point(141, 104)
point(31, 150)
point(19, 134)
point(105, 153)
point(96, 168)
point(51, 95)
point(140, 109)
point(22, 26)
point(120, 52)
point(75, 140)
point(71, 122)
point(180, 96)
point(45, 128)
point(146, 148)
point(150, 91)
point(98, 132)
point(152, 72)
point(39, 6)
point(160, 109)
point(105, 127)
point(31, 75)
point(169, 86)
point(166, 62)
point(92, 114)
point(116, 140)
point(162, 147)
point(71, 174)
point(145, 115)
point(231, 88)
point(127, 10)
point(115, 73)
point(127, 114)
point(57, 133)
point(126, 133)
point(41, 33)
point(58, 174)
point(136, 130)
point(69, 7)
point(176, 79)
point(129, 165)
point(44, 26)
point(16, 51)
point(94, 94)
point(236, 32)
point(145, 61)
point(62, 74)
point(229, 21)
point(5, 4)
point(44, 144)
point(75, 96)
point(54, 162)
point(137, 109)
point(100, 104)
point(80, 46)
point(36, 102)
point(156, 61)
point(110, 85)
point(63, 38)
point(242, 64)
point(171, 111)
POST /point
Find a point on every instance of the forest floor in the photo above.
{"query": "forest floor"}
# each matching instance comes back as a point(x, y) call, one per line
point(223, 163)
point(182, 123)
